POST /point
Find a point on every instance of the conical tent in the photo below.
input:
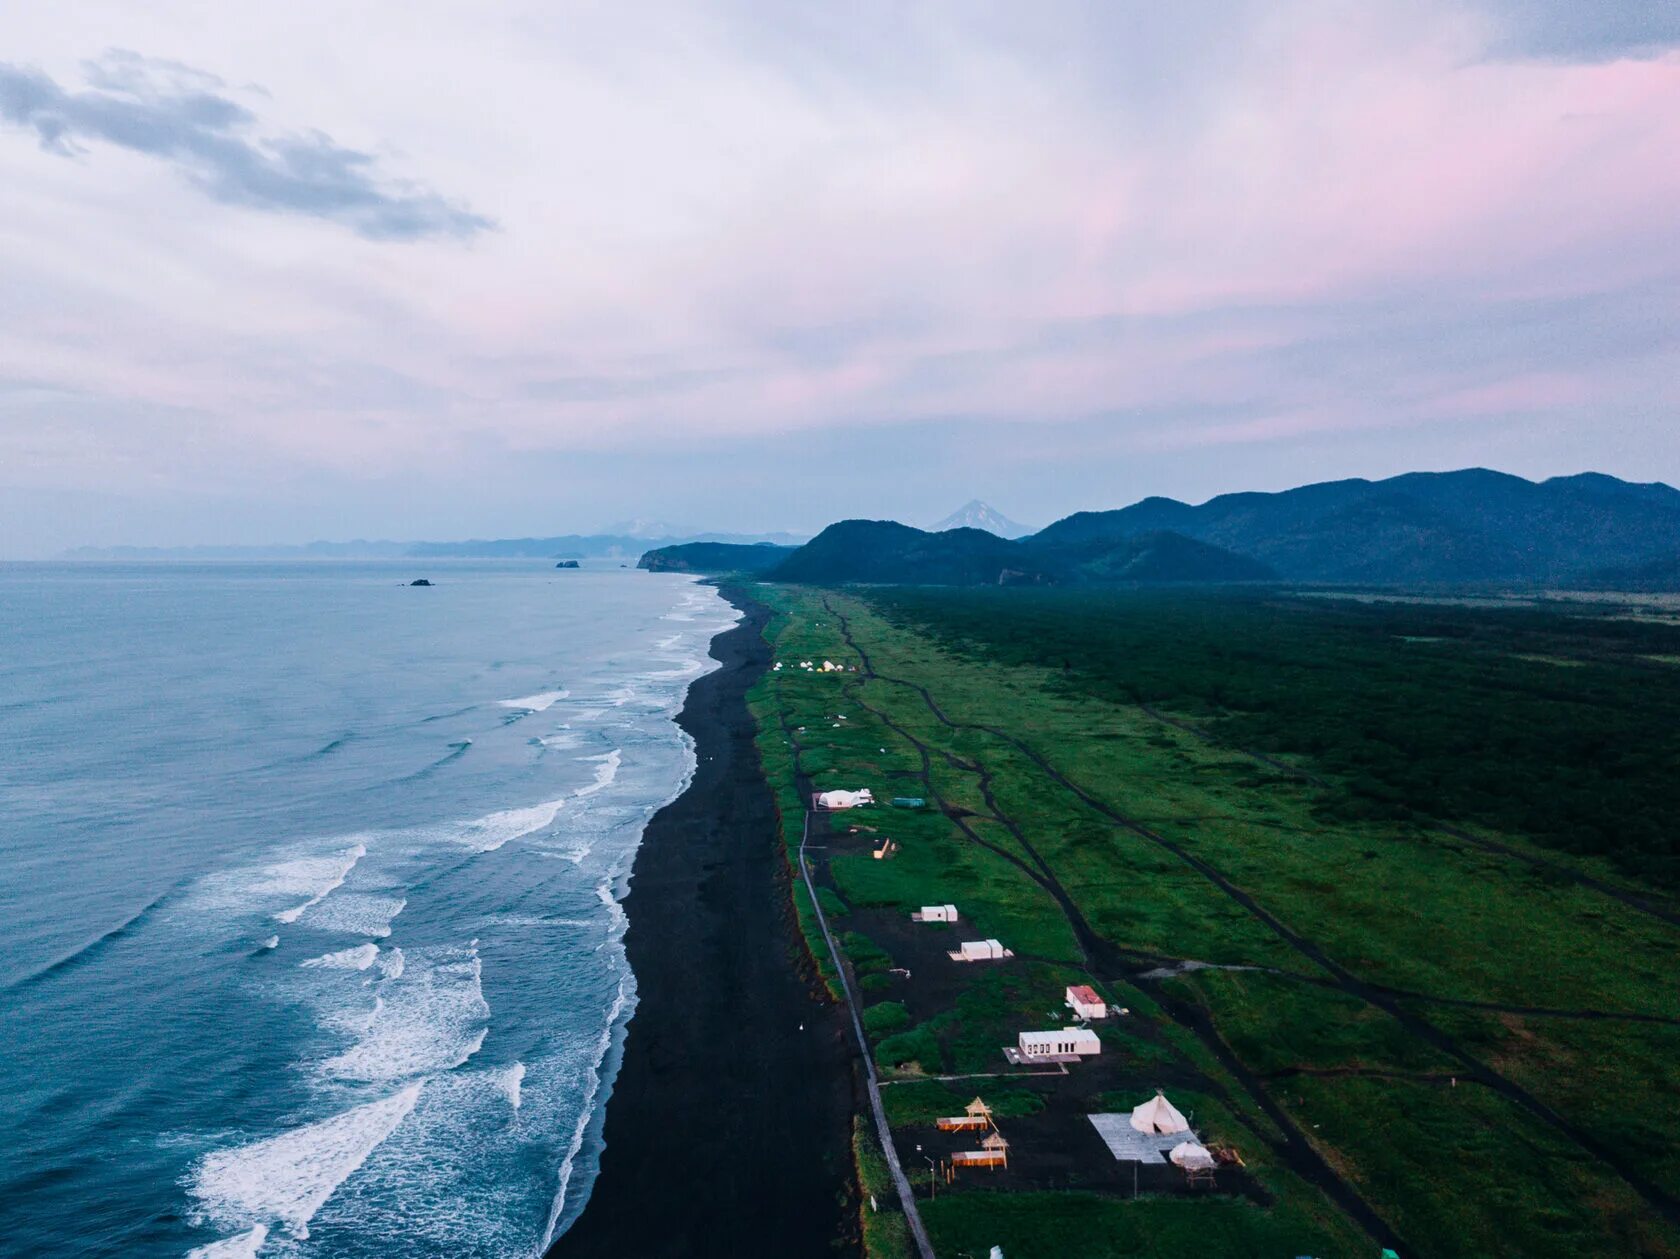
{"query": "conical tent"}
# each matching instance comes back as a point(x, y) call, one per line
point(1160, 1116)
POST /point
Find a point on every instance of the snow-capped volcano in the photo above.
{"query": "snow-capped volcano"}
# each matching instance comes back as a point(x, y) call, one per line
point(977, 515)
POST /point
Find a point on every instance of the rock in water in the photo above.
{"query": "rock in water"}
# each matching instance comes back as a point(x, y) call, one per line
point(419, 581)
point(567, 564)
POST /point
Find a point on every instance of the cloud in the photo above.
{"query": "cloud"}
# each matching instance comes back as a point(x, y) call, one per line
point(1056, 259)
point(1572, 31)
point(183, 116)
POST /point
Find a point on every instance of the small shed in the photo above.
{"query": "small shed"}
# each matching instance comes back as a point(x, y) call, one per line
point(980, 951)
point(1069, 1042)
point(1085, 1003)
point(935, 913)
point(1160, 1116)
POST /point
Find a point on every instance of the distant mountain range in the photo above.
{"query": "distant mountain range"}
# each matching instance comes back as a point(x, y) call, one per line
point(1423, 528)
point(977, 515)
point(571, 546)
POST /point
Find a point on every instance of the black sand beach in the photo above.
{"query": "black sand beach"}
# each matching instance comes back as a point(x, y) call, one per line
point(728, 1129)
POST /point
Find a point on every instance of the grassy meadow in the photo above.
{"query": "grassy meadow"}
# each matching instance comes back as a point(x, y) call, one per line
point(1384, 889)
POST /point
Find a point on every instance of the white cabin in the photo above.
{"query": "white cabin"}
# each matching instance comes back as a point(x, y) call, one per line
point(1080, 1041)
point(1083, 1000)
point(937, 913)
point(982, 950)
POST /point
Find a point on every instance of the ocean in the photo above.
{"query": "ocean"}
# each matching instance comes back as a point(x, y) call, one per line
point(310, 885)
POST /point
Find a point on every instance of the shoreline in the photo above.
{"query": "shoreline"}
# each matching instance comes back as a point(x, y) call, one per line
point(728, 1127)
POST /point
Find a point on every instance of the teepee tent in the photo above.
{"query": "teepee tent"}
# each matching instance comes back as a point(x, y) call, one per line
point(1160, 1116)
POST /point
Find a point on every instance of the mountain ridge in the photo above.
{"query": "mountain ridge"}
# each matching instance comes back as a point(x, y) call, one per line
point(1470, 525)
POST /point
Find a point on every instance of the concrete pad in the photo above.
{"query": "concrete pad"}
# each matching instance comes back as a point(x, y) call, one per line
point(1127, 1144)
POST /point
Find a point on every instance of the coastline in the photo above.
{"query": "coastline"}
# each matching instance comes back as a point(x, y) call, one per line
point(728, 1128)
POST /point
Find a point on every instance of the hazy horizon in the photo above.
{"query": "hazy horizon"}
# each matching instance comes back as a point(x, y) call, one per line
point(520, 269)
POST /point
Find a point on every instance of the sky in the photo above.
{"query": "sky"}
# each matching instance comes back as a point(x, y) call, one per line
point(277, 272)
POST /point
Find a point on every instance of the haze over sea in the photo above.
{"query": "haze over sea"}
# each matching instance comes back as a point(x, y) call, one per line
point(310, 887)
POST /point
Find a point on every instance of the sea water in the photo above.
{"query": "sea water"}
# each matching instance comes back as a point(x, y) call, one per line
point(310, 934)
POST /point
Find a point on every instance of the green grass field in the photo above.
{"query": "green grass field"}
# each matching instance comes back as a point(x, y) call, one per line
point(1445, 1030)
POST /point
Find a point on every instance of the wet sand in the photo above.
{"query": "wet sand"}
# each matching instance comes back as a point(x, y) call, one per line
point(728, 1131)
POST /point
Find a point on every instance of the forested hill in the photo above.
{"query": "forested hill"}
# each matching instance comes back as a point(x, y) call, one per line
point(1448, 528)
point(1468, 526)
point(715, 557)
point(883, 551)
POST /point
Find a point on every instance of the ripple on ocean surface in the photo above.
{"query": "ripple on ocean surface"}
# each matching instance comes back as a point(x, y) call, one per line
point(418, 1004)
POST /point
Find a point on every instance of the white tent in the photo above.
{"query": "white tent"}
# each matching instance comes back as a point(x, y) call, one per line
point(844, 799)
point(1160, 1116)
point(1192, 1157)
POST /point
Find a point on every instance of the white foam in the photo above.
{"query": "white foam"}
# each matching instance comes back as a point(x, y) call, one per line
point(244, 1246)
point(285, 1179)
point(508, 1080)
point(616, 918)
point(557, 1208)
point(391, 963)
point(490, 832)
point(540, 702)
point(564, 739)
point(319, 875)
point(606, 770)
point(359, 958)
point(432, 1018)
point(357, 913)
point(273, 942)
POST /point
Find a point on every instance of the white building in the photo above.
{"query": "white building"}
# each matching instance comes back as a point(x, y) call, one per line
point(1083, 1000)
point(1081, 1041)
point(844, 799)
point(936, 913)
point(981, 951)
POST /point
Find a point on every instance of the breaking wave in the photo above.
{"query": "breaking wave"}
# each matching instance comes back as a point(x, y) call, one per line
point(431, 1017)
point(284, 1179)
point(359, 958)
point(606, 770)
point(317, 877)
point(540, 702)
point(244, 1246)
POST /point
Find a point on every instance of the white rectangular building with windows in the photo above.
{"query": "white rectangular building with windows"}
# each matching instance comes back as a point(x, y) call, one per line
point(1078, 1042)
